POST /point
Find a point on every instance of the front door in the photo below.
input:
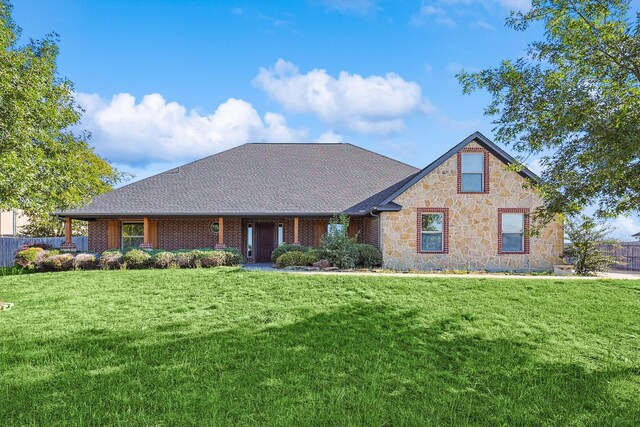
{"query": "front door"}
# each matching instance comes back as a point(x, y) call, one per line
point(265, 233)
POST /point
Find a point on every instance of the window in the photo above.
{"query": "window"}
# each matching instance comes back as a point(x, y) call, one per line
point(432, 232)
point(512, 232)
point(249, 240)
point(472, 173)
point(214, 227)
point(132, 235)
point(280, 234)
point(335, 228)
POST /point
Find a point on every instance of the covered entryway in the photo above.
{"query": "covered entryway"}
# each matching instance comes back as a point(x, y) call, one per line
point(265, 241)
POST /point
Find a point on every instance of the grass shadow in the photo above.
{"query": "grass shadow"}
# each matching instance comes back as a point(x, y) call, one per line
point(361, 364)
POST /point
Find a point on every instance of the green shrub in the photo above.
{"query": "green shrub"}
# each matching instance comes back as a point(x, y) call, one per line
point(313, 255)
point(294, 258)
point(111, 260)
point(136, 259)
point(186, 259)
point(84, 262)
point(337, 247)
point(368, 256)
point(287, 248)
point(588, 237)
point(164, 259)
point(215, 259)
point(57, 262)
point(236, 256)
point(26, 258)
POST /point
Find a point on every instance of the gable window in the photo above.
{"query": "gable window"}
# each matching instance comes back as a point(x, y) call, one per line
point(472, 174)
point(433, 226)
point(132, 234)
point(249, 240)
point(280, 234)
point(513, 228)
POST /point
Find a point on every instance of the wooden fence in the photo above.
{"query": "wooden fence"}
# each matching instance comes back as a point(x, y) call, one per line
point(627, 254)
point(9, 245)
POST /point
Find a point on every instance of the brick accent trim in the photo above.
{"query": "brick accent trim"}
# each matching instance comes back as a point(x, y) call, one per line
point(527, 222)
point(485, 184)
point(445, 229)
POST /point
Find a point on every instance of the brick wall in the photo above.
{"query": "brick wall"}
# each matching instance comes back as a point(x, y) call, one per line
point(192, 233)
point(370, 231)
point(98, 235)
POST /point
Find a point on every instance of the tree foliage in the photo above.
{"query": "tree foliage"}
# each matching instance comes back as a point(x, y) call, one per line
point(587, 237)
point(573, 100)
point(45, 164)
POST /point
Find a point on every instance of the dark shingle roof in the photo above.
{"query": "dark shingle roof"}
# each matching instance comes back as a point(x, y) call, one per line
point(260, 179)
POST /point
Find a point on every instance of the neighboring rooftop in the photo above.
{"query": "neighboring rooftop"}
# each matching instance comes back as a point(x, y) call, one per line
point(261, 179)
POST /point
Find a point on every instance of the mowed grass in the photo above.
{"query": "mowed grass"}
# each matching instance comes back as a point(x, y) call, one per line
point(229, 347)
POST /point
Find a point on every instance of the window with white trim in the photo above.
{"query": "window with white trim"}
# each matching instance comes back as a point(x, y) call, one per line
point(472, 173)
point(132, 234)
point(280, 234)
point(432, 238)
point(249, 240)
point(512, 232)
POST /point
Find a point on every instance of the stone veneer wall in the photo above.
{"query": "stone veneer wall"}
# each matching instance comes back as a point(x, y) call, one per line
point(473, 224)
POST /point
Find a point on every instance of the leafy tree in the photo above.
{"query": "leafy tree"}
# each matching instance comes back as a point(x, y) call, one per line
point(587, 237)
point(44, 164)
point(574, 100)
point(45, 225)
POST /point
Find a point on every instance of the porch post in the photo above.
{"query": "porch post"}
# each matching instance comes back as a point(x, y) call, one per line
point(221, 244)
point(68, 245)
point(146, 244)
point(296, 240)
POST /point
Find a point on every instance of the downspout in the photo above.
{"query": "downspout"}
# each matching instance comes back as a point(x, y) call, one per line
point(15, 222)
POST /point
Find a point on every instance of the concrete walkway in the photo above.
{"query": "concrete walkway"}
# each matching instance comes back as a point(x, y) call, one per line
point(624, 275)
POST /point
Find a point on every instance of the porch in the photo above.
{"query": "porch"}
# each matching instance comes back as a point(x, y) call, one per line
point(255, 237)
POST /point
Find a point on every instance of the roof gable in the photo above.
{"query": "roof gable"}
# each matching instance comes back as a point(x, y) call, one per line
point(479, 138)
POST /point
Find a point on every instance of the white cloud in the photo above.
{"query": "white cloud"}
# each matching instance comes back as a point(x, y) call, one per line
point(360, 7)
point(373, 104)
point(625, 226)
point(440, 11)
point(154, 130)
point(330, 136)
point(429, 12)
point(517, 5)
point(535, 166)
point(483, 25)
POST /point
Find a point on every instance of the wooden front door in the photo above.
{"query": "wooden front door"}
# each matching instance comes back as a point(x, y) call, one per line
point(265, 236)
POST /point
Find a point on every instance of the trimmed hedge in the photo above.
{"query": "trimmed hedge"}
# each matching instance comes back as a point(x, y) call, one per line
point(164, 259)
point(283, 249)
point(136, 259)
point(295, 258)
point(367, 256)
point(26, 258)
point(36, 258)
point(84, 261)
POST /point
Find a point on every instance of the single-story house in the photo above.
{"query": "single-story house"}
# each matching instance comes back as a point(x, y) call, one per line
point(464, 210)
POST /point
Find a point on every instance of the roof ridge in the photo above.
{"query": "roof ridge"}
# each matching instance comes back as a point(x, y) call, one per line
point(382, 155)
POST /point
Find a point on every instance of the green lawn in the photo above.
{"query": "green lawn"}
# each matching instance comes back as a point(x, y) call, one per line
point(229, 347)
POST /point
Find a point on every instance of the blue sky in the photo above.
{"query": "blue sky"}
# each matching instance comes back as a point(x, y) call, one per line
point(165, 82)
